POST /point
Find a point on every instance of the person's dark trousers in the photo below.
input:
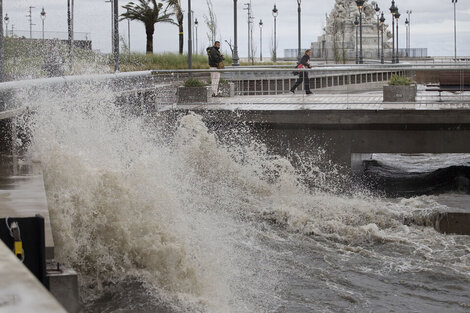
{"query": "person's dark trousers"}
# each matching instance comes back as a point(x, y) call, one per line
point(303, 77)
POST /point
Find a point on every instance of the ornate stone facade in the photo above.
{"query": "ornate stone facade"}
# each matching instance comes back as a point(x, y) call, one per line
point(339, 35)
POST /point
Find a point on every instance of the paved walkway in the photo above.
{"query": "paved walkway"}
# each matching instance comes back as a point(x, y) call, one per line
point(22, 194)
point(334, 101)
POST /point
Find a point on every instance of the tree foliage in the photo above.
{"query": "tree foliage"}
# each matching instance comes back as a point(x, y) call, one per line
point(211, 22)
point(149, 12)
point(175, 5)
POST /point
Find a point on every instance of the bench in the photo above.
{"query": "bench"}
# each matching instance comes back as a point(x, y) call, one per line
point(452, 81)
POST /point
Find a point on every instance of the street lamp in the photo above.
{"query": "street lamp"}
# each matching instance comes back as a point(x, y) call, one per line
point(1, 43)
point(129, 35)
point(275, 13)
point(299, 54)
point(407, 25)
point(190, 43)
point(409, 31)
point(382, 21)
point(235, 57)
point(393, 10)
point(196, 24)
point(455, 31)
point(397, 16)
point(377, 12)
point(43, 17)
point(360, 4)
point(7, 20)
point(356, 24)
point(261, 40)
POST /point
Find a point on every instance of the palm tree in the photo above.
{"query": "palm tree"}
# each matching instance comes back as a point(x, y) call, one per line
point(176, 5)
point(149, 15)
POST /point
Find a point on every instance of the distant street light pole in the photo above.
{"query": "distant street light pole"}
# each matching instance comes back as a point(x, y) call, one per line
point(192, 30)
point(397, 16)
point(407, 25)
point(1, 41)
point(7, 20)
point(275, 13)
point(196, 24)
point(356, 25)
point(70, 32)
point(30, 16)
point(299, 53)
point(116, 34)
point(393, 10)
point(360, 4)
point(261, 40)
point(409, 31)
point(382, 21)
point(248, 8)
point(235, 57)
point(43, 17)
point(377, 12)
point(190, 41)
point(455, 30)
point(129, 35)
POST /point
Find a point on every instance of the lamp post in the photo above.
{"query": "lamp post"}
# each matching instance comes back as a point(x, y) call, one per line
point(377, 12)
point(235, 57)
point(299, 53)
point(261, 40)
point(393, 10)
point(116, 34)
point(193, 31)
point(382, 21)
point(70, 31)
point(360, 4)
point(275, 13)
point(397, 16)
point(356, 25)
point(455, 31)
point(1, 42)
point(43, 17)
point(30, 16)
point(250, 31)
point(190, 43)
point(7, 20)
point(129, 35)
point(196, 24)
point(407, 25)
point(408, 12)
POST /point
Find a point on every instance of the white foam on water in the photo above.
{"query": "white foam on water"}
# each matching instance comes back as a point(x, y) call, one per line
point(191, 215)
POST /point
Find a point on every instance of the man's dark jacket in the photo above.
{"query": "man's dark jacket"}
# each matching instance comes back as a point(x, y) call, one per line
point(214, 57)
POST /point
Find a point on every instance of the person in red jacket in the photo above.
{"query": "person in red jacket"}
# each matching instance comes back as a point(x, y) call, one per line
point(303, 76)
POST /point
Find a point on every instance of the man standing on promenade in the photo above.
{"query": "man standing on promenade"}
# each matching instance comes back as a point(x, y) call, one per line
point(216, 61)
point(303, 76)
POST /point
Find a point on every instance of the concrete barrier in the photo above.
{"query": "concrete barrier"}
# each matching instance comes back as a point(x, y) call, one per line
point(453, 223)
point(20, 291)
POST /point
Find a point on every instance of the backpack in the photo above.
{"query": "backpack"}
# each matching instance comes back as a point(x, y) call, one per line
point(299, 65)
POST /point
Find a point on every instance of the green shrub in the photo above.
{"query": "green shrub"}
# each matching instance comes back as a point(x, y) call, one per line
point(400, 80)
point(193, 82)
point(221, 81)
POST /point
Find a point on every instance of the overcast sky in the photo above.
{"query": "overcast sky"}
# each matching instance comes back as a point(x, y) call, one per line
point(431, 23)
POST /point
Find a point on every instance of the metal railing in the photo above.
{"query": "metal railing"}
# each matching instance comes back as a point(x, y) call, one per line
point(353, 86)
point(47, 35)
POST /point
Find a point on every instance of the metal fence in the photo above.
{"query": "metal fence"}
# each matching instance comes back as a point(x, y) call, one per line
point(346, 86)
point(413, 52)
point(47, 35)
